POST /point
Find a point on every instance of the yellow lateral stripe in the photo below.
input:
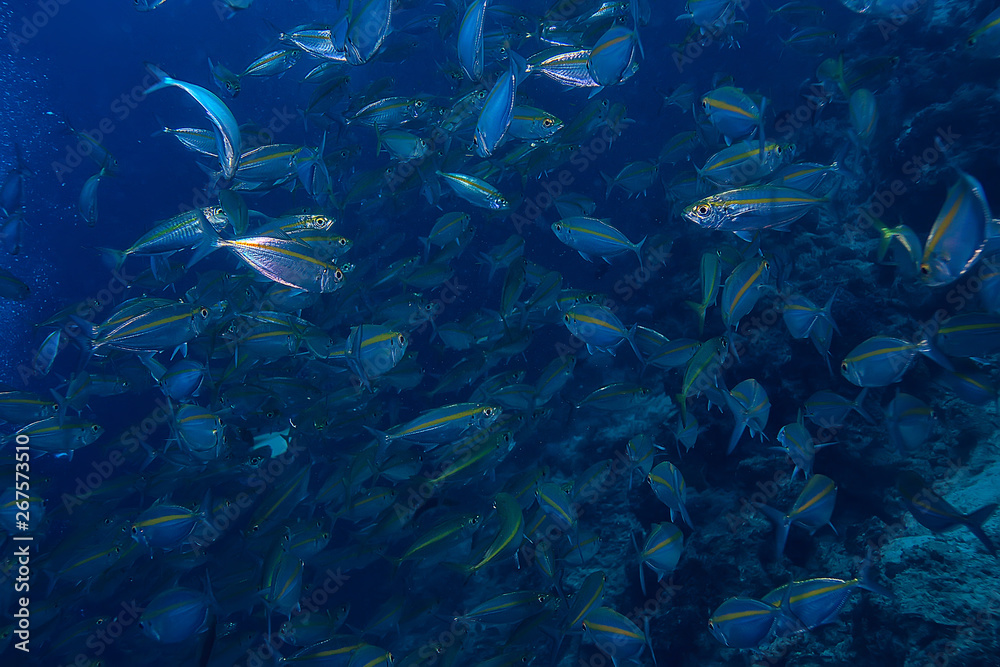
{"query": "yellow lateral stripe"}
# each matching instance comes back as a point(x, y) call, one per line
point(941, 229)
point(736, 615)
point(881, 350)
point(162, 519)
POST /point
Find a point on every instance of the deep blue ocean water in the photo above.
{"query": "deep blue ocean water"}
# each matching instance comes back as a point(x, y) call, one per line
point(84, 65)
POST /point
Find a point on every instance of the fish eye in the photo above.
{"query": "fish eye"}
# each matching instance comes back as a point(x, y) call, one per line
point(703, 209)
point(778, 150)
point(925, 270)
point(547, 122)
point(204, 311)
point(566, 318)
point(843, 367)
point(418, 103)
point(558, 228)
point(767, 264)
point(342, 241)
point(402, 339)
point(95, 428)
point(135, 531)
point(704, 104)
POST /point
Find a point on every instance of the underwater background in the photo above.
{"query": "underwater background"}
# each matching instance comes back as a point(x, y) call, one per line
point(498, 331)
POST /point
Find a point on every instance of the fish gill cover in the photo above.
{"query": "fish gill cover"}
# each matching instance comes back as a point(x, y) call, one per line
point(528, 333)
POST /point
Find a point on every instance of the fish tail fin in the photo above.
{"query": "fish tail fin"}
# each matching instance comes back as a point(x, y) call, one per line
point(828, 310)
point(209, 243)
point(975, 521)
point(378, 140)
point(786, 623)
point(866, 581)
point(760, 126)
point(781, 526)
point(699, 309)
point(681, 399)
point(649, 638)
point(383, 439)
point(685, 516)
point(770, 12)
point(930, 350)
point(155, 368)
point(610, 182)
point(858, 406)
point(630, 337)
point(113, 259)
point(520, 67)
point(87, 328)
point(62, 405)
point(638, 250)
point(734, 439)
point(163, 80)
point(634, 8)
point(163, 127)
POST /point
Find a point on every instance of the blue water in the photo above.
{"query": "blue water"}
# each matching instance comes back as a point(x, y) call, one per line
point(82, 63)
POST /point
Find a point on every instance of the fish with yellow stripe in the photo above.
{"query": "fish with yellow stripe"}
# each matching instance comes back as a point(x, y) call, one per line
point(438, 426)
point(166, 526)
point(883, 360)
point(734, 113)
point(594, 237)
point(745, 162)
point(812, 510)
point(660, 552)
point(56, 435)
point(284, 260)
point(599, 328)
point(961, 231)
point(808, 604)
point(475, 190)
point(743, 289)
point(936, 514)
point(617, 636)
point(984, 40)
point(149, 325)
point(752, 208)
